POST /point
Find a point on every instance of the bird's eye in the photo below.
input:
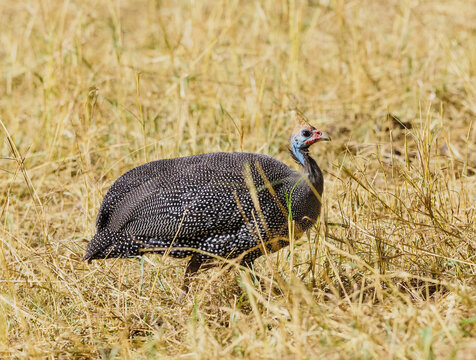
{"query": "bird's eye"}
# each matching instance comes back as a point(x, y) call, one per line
point(306, 133)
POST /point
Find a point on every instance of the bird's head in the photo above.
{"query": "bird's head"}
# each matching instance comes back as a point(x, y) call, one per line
point(303, 136)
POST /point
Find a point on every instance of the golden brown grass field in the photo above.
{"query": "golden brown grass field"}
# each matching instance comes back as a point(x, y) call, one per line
point(90, 89)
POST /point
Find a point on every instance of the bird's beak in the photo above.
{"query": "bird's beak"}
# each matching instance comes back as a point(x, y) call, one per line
point(324, 137)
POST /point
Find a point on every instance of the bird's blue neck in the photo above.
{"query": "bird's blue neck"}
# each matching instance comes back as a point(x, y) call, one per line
point(299, 155)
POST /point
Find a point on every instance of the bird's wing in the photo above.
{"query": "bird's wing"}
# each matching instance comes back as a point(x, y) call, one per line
point(162, 210)
point(187, 196)
point(160, 173)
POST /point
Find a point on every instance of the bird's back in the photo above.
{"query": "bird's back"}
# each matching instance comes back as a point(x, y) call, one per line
point(184, 180)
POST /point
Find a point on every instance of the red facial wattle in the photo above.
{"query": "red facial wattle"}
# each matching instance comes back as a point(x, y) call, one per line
point(316, 136)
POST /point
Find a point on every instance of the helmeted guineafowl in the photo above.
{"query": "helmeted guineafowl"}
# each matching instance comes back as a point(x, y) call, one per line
point(223, 204)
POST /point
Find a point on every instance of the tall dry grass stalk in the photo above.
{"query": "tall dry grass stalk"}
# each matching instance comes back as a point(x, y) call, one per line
point(90, 89)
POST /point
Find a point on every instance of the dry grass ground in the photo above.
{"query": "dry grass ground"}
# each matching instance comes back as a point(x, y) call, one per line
point(90, 89)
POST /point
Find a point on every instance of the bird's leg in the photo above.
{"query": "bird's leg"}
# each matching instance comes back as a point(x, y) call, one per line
point(192, 267)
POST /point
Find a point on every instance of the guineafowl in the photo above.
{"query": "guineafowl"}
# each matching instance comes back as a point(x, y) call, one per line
point(227, 205)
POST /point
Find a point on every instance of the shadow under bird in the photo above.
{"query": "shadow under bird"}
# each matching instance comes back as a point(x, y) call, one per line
point(226, 205)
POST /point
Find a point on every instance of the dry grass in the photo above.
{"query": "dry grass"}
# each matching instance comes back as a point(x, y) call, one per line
point(90, 89)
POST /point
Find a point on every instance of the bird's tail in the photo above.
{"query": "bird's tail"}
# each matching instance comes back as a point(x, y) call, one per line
point(109, 244)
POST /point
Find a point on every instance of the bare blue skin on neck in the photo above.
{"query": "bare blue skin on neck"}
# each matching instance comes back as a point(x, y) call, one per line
point(296, 145)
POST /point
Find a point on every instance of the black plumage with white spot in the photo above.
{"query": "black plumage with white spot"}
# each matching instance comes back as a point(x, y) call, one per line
point(223, 204)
